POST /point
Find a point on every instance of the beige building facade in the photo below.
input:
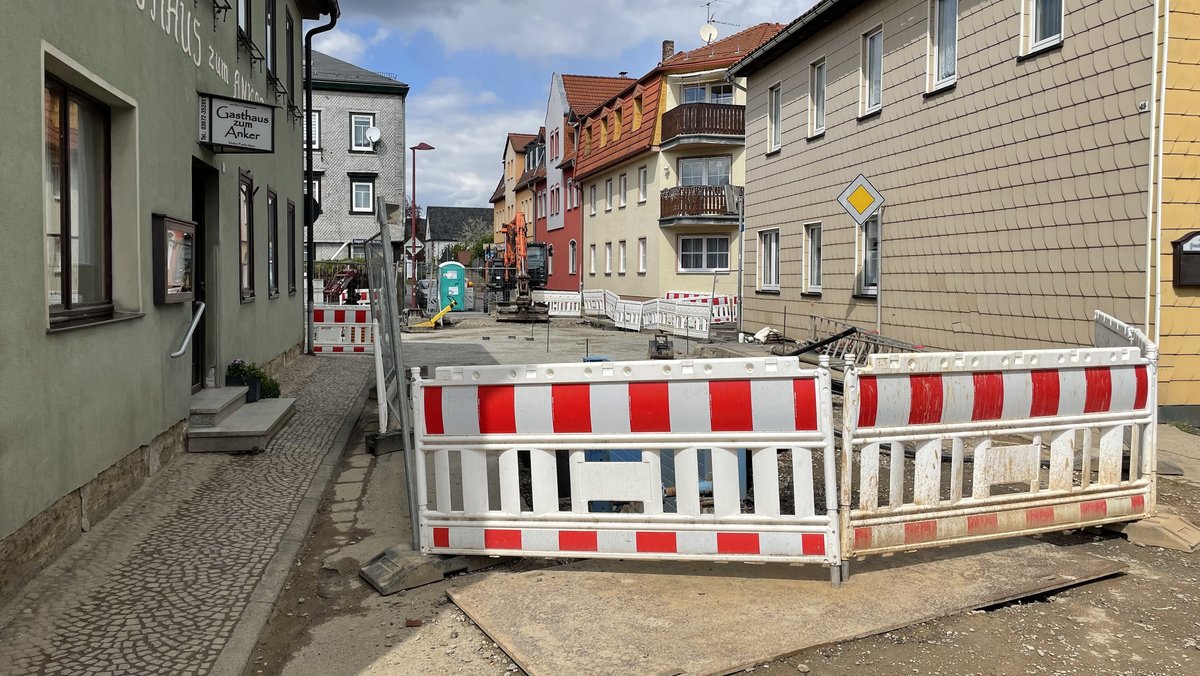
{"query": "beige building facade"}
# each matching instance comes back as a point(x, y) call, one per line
point(1011, 142)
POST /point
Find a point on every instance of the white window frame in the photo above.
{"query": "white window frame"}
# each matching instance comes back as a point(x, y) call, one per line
point(809, 285)
point(643, 183)
point(622, 187)
point(572, 260)
point(768, 259)
point(816, 126)
point(865, 105)
point(316, 125)
point(621, 249)
point(935, 29)
point(592, 256)
point(354, 208)
point(608, 258)
point(863, 288)
point(775, 117)
point(593, 200)
point(608, 191)
point(641, 255)
point(704, 252)
point(1029, 27)
point(354, 147)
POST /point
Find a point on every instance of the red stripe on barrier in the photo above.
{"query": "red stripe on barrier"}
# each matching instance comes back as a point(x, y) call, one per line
point(926, 392)
point(318, 316)
point(862, 538)
point(989, 396)
point(1099, 389)
point(495, 538)
point(497, 410)
point(805, 391)
point(1096, 509)
point(1045, 393)
point(983, 524)
point(1039, 516)
point(1143, 387)
point(1138, 503)
point(649, 407)
point(729, 406)
point(359, 349)
point(737, 543)
point(812, 544)
point(920, 531)
point(360, 317)
point(572, 408)
point(578, 541)
point(433, 411)
point(441, 537)
point(339, 316)
point(654, 542)
point(868, 401)
point(337, 348)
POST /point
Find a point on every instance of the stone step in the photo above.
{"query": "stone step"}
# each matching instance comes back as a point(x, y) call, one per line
point(212, 406)
point(248, 429)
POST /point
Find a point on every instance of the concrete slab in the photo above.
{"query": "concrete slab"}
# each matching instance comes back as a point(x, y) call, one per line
point(211, 406)
point(598, 617)
point(248, 429)
point(1180, 448)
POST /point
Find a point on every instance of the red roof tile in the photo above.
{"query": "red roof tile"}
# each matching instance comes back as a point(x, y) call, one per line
point(726, 51)
point(586, 92)
point(519, 141)
point(498, 195)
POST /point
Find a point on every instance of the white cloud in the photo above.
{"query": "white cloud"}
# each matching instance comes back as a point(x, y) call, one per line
point(347, 45)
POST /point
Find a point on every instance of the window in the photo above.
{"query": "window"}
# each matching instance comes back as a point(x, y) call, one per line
point(608, 189)
point(642, 178)
point(869, 257)
point(272, 244)
point(768, 260)
point(362, 193)
point(774, 113)
point(872, 72)
point(694, 93)
point(714, 93)
point(623, 187)
point(703, 254)
point(616, 134)
point(289, 50)
point(246, 233)
point(315, 117)
point(549, 263)
point(291, 246)
point(943, 43)
point(270, 44)
point(592, 255)
point(359, 124)
point(637, 112)
point(816, 99)
point(316, 188)
point(572, 253)
point(608, 258)
point(604, 131)
point(593, 199)
point(244, 7)
point(812, 235)
point(78, 198)
point(621, 257)
point(722, 93)
point(1044, 23)
point(642, 255)
point(704, 170)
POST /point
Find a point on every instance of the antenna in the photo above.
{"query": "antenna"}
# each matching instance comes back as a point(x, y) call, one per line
point(708, 33)
point(711, 16)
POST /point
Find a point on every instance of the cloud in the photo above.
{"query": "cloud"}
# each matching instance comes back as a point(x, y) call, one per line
point(537, 28)
point(346, 44)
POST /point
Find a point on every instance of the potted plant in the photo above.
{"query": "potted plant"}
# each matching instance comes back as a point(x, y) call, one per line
point(257, 382)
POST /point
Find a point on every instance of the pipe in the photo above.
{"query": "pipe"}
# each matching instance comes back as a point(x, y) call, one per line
point(1162, 115)
point(309, 216)
point(1150, 185)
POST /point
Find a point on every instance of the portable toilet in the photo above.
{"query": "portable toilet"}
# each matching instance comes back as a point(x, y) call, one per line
point(452, 285)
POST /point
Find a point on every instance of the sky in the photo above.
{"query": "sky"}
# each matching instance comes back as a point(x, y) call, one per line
point(479, 69)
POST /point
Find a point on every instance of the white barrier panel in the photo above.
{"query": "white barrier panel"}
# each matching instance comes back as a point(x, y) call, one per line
point(341, 329)
point(629, 315)
point(561, 303)
point(504, 462)
point(724, 308)
point(610, 304)
point(593, 302)
point(957, 447)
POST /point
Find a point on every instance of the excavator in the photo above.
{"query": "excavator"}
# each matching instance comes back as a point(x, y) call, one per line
point(516, 262)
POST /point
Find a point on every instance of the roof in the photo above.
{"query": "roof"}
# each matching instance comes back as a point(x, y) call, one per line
point(586, 92)
point(519, 141)
point(498, 195)
point(330, 73)
point(313, 9)
point(799, 30)
point(531, 176)
point(448, 224)
point(724, 52)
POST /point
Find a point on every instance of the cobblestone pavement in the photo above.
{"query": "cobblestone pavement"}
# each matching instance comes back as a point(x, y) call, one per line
point(159, 585)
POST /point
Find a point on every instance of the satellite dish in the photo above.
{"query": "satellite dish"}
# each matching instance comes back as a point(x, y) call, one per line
point(373, 135)
point(708, 33)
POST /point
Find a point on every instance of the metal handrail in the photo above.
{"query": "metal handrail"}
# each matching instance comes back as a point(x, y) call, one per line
point(187, 339)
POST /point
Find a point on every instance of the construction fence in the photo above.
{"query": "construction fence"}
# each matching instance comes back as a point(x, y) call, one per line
point(679, 313)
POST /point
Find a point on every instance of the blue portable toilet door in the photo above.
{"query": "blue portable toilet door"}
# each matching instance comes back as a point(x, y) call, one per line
point(452, 285)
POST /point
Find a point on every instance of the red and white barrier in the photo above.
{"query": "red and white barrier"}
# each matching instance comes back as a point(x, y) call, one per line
point(343, 329)
point(724, 308)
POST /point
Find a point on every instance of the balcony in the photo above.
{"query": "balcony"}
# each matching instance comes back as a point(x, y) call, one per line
point(703, 124)
point(694, 205)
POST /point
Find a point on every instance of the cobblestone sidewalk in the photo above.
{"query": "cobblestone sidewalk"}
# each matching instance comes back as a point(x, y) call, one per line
point(159, 586)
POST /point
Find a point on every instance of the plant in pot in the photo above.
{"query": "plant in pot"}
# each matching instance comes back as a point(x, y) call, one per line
point(257, 382)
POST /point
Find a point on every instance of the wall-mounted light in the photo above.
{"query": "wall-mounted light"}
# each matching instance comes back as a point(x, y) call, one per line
point(667, 172)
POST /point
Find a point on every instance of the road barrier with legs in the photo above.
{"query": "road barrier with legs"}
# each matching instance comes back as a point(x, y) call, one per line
point(339, 329)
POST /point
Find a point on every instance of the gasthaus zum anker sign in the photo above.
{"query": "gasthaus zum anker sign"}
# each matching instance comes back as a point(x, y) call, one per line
point(233, 126)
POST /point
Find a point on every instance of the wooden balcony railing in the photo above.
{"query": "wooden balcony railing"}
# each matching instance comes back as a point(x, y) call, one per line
point(699, 119)
point(693, 200)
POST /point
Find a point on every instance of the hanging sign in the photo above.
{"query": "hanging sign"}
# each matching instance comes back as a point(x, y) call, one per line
point(232, 126)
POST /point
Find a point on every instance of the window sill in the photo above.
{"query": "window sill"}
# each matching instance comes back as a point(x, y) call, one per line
point(641, 201)
point(816, 137)
point(116, 318)
point(273, 296)
point(361, 213)
point(1042, 49)
point(361, 151)
point(816, 293)
point(865, 295)
point(767, 292)
point(870, 114)
point(702, 272)
point(291, 292)
point(773, 152)
point(941, 89)
point(248, 299)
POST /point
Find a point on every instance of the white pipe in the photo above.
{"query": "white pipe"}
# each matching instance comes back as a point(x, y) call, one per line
point(1150, 186)
point(1162, 116)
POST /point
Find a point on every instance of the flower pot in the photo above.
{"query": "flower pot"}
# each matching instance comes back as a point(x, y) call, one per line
point(253, 386)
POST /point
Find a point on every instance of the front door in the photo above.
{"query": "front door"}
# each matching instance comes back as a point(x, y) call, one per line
point(200, 183)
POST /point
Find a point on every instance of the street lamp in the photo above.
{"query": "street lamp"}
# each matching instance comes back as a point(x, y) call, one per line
point(420, 146)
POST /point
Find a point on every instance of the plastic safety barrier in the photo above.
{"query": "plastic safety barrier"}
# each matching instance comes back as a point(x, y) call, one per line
point(561, 303)
point(509, 461)
point(724, 308)
point(953, 447)
point(341, 329)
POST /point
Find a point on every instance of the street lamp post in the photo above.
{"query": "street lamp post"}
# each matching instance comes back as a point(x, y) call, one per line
point(412, 255)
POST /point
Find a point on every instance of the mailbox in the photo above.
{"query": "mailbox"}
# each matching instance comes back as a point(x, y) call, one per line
point(1186, 255)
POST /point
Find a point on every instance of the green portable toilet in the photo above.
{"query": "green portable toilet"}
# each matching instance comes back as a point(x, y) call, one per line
point(452, 285)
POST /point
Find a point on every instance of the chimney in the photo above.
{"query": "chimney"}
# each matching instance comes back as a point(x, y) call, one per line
point(623, 73)
point(668, 49)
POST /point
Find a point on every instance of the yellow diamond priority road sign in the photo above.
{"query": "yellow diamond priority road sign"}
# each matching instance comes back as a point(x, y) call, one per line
point(860, 199)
